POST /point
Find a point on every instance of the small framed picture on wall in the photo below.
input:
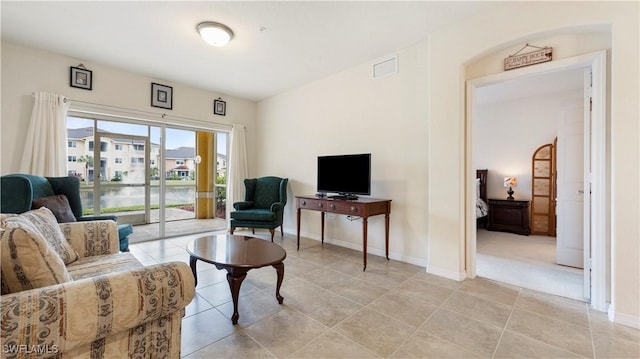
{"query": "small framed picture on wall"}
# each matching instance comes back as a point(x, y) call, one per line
point(161, 96)
point(80, 78)
point(219, 107)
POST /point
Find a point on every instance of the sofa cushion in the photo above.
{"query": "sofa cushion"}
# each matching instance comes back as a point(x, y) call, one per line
point(59, 206)
point(43, 222)
point(98, 265)
point(27, 261)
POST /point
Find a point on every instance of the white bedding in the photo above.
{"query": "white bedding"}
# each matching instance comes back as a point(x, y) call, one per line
point(482, 209)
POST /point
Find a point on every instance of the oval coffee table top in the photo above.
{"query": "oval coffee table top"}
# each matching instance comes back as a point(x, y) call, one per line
point(236, 251)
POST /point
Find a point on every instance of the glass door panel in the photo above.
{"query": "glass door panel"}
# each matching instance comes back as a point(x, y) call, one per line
point(122, 185)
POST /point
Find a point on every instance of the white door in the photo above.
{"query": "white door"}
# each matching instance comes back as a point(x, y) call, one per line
point(570, 177)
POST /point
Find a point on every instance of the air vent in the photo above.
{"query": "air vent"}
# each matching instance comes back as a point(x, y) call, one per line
point(388, 66)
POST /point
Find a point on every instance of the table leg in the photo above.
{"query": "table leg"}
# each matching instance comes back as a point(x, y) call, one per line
point(322, 226)
point(299, 228)
point(364, 242)
point(192, 264)
point(280, 270)
point(235, 279)
point(386, 233)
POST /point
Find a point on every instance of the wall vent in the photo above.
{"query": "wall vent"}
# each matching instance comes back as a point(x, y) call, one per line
point(388, 66)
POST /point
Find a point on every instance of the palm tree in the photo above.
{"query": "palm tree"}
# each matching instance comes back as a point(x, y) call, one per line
point(88, 162)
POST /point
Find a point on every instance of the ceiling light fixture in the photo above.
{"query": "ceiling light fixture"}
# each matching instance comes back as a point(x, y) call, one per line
point(214, 33)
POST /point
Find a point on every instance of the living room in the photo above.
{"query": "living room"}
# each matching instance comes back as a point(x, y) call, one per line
point(412, 122)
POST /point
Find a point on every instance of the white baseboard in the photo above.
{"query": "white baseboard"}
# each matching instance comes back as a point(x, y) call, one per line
point(627, 320)
point(358, 247)
point(442, 272)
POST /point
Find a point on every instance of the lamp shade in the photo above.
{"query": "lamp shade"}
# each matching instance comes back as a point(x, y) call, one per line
point(214, 33)
point(510, 182)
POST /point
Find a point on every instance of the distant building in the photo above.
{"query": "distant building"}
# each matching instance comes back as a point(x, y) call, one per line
point(124, 158)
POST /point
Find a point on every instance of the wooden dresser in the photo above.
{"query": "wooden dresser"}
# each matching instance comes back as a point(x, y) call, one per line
point(509, 216)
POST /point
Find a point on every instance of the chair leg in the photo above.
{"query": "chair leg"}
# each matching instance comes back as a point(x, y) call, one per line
point(272, 231)
point(281, 231)
point(232, 229)
point(253, 230)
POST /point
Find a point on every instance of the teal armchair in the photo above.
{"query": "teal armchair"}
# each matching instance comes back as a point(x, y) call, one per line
point(263, 205)
point(18, 191)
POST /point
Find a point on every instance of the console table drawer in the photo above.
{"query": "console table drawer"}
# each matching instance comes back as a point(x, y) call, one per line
point(314, 204)
point(341, 207)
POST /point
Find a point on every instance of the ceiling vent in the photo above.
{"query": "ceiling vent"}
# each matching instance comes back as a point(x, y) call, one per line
point(388, 66)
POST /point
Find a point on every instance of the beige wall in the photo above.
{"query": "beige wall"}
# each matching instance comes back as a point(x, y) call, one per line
point(456, 46)
point(350, 112)
point(25, 70)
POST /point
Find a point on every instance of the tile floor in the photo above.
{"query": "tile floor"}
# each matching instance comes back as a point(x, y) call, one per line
point(332, 309)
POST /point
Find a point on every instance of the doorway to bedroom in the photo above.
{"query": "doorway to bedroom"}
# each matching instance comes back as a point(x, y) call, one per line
point(506, 125)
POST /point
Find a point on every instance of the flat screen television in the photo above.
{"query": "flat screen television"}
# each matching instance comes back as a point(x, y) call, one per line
point(346, 175)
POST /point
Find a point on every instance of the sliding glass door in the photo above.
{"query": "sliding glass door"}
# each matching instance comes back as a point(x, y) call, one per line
point(151, 176)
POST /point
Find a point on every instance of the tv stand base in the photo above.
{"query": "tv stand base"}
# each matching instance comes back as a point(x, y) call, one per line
point(346, 197)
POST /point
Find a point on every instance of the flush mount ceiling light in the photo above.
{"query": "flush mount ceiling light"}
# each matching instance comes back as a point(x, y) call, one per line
point(214, 33)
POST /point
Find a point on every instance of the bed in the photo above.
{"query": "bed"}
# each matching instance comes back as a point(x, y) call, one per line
point(482, 209)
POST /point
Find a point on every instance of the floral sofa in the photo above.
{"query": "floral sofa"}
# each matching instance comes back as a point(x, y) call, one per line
point(67, 292)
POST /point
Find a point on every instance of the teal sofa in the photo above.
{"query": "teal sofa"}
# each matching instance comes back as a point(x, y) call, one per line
point(18, 191)
point(263, 205)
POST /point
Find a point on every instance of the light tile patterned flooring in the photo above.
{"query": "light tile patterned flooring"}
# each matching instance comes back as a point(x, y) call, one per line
point(332, 309)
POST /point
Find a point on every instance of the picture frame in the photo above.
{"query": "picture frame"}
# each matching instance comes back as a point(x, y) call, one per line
point(161, 96)
point(219, 107)
point(81, 78)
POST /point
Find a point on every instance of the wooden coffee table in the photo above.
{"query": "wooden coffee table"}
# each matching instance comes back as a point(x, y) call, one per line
point(237, 255)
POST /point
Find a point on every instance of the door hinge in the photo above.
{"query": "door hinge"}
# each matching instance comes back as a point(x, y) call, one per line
point(589, 265)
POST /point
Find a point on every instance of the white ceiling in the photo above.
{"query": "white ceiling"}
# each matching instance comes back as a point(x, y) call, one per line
point(277, 45)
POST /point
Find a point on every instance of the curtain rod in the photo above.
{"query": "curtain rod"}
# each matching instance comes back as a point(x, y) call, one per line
point(142, 112)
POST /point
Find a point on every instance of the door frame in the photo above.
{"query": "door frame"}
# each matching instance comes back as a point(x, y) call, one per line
point(597, 62)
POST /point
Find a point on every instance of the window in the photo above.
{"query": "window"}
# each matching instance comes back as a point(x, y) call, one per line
point(179, 162)
point(71, 144)
point(72, 159)
point(138, 147)
point(118, 174)
point(137, 159)
point(103, 146)
point(118, 160)
point(118, 147)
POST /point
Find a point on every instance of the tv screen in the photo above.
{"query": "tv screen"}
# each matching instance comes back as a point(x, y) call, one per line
point(345, 174)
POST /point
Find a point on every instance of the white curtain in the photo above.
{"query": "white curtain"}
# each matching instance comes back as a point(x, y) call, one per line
point(45, 148)
point(238, 166)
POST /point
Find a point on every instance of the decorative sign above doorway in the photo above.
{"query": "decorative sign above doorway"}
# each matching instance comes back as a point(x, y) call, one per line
point(517, 60)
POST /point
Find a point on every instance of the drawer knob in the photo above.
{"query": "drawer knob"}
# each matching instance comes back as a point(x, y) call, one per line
point(332, 206)
point(304, 203)
point(319, 204)
point(354, 209)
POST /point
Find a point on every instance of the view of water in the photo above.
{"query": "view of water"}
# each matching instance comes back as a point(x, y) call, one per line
point(134, 196)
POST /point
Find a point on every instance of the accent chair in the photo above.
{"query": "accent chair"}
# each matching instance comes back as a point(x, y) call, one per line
point(263, 205)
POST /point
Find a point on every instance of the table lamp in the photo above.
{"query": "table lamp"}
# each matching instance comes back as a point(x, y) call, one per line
point(510, 182)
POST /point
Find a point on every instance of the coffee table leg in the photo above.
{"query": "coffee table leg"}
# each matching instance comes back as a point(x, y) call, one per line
point(235, 280)
point(280, 270)
point(192, 264)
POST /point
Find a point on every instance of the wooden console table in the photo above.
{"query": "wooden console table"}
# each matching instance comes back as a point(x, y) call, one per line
point(362, 207)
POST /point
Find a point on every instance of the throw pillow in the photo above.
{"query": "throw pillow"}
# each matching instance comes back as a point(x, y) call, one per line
point(27, 261)
point(43, 222)
point(59, 206)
